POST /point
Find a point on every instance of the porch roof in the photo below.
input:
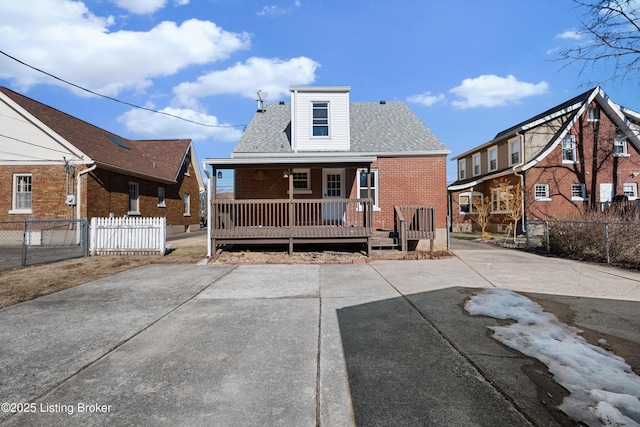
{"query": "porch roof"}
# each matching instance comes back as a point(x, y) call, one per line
point(275, 161)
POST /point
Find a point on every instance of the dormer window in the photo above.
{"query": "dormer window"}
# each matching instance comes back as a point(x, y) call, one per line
point(320, 119)
point(593, 114)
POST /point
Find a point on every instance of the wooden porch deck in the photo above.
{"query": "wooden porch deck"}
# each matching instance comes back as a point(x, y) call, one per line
point(286, 221)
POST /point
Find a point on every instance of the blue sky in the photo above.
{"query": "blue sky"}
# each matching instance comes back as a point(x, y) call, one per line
point(468, 69)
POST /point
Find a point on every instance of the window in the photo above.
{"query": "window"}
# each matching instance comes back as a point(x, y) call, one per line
point(187, 204)
point(541, 192)
point(620, 146)
point(462, 169)
point(475, 160)
point(301, 180)
point(501, 200)
point(161, 202)
point(134, 199)
point(593, 114)
point(492, 155)
point(630, 190)
point(320, 119)
point(514, 151)
point(22, 196)
point(362, 186)
point(569, 149)
point(578, 192)
point(468, 202)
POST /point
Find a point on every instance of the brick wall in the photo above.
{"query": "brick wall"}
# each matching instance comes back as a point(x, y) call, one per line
point(103, 192)
point(402, 181)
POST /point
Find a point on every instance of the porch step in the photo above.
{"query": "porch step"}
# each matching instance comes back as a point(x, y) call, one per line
point(384, 240)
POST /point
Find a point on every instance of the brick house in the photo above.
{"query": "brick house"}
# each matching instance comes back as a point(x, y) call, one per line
point(55, 166)
point(322, 147)
point(568, 160)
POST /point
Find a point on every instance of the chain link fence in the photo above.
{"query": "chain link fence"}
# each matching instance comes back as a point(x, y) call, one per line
point(615, 243)
point(38, 241)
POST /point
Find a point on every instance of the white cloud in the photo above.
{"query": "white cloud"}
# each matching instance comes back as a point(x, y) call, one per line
point(65, 39)
point(141, 7)
point(272, 10)
point(494, 91)
point(154, 125)
point(570, 34)
point(273, 76)
point(426, 99)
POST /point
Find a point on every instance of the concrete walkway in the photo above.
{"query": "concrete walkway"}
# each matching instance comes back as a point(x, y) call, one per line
point(387, 343)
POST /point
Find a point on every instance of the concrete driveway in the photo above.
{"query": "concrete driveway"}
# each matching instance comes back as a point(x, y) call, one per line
point(387, 343)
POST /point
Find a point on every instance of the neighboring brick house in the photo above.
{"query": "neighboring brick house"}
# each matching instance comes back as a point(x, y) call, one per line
point(331, 146)
point(568, 160)
point(54, 166)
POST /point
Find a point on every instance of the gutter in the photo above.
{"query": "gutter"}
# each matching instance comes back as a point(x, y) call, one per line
point(79, 189)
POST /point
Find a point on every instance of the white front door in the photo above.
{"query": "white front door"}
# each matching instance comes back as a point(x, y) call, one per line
point(606, 192)
point(333, 188)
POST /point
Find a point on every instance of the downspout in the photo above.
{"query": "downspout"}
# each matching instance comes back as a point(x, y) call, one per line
point(522, 183)
point(79, 189)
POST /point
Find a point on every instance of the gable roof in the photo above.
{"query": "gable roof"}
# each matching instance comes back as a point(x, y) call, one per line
point(376, 128)
point(153, 159)
point(572, 109)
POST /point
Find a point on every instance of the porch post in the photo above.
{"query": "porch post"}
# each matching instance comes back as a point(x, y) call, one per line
point(213, 214)
point(291, 219)
point(369, 209)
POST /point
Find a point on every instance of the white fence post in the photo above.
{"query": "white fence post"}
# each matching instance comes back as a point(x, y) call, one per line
point(128, 235)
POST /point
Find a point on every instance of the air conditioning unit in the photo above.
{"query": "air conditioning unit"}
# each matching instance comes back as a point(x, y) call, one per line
point(71, 200)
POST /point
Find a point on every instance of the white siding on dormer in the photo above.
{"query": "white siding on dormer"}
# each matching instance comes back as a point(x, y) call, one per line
point(301, 121)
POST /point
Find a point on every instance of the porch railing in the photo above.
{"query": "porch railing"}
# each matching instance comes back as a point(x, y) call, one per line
point(414, 223)
point(285, 220)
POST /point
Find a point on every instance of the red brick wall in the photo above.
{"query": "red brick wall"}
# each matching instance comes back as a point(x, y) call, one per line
point(103, 192)
point(402, 181)
point(48, 192)
point(607, 168)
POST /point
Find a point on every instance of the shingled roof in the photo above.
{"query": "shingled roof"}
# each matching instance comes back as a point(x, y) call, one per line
point(376, 128)
point(154, 159)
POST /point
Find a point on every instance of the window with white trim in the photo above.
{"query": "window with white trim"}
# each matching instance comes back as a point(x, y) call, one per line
point(475, 161)
point(620, 146)
point(492, 159)
point(593, 114)
point(541, 192)
point(501, 200)
point(362, 186)
point(187, 204)
point(578, 192)
point(320, 119)
point(462, 169)
point(569, 149)
point(469, 201)
point(161, 200)
point(22, 195)
point(134, 198)
point(630, 189)
point(301, 180)
point(514, 151)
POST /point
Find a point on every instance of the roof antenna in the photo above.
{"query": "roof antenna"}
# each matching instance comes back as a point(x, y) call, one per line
point(260, 96)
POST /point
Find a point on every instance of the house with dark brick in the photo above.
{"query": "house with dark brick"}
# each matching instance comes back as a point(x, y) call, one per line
point(323, 169)
point(576, 157)
point(56, 166)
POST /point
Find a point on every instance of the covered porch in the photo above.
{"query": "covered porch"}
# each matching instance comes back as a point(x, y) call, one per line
point(275, 207)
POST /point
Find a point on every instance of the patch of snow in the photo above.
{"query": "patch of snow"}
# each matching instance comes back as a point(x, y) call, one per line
point(604, 391)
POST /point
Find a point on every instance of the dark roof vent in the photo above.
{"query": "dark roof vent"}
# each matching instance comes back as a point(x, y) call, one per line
point(383, 102)
point(281, 102)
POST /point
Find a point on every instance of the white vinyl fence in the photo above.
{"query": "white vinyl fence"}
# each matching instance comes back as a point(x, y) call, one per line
point(128, 236)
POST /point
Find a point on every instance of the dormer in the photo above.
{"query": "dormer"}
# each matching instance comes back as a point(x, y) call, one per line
point(320, 118)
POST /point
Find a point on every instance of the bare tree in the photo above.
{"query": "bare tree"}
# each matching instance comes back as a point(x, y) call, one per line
point(481, 213)
point(611, 32)
point(511, 202)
